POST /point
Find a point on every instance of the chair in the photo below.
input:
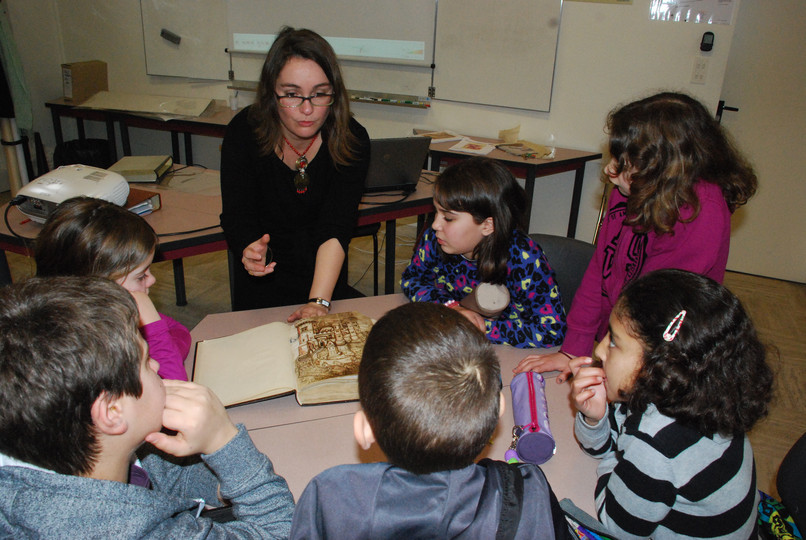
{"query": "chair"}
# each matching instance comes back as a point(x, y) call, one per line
point(569, 258)
point(368, 230)
point(791, 482)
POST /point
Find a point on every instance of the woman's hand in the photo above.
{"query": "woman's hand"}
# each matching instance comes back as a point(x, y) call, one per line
point(546, 362)
point(587, 389)
point(308, 310)
point(254, 257)
point(472, 316)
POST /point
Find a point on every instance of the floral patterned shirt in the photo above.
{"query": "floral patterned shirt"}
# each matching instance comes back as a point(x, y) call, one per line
point(535, 315)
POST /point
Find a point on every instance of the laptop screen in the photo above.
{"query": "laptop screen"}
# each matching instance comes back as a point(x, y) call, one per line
point(395, 164)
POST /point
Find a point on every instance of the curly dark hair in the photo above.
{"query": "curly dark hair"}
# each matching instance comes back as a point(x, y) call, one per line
point(484, 188)
point(713, 376)
point(670, 141)
point(263, 115)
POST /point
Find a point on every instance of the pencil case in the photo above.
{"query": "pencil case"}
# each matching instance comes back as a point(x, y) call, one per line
point(532, 440)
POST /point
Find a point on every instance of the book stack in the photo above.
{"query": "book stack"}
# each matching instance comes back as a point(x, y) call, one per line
point(142, 202)
point(143, 168)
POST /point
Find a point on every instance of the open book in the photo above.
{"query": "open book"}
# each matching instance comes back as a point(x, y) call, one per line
point(317, 358)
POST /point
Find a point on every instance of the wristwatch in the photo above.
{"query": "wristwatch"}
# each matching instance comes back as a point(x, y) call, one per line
point(321, 301)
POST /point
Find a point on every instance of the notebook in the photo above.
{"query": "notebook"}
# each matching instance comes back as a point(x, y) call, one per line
point(395, 164)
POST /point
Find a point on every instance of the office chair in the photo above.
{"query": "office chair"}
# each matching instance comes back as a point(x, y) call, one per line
point(791, 482)
point(569, 258)
point(368, 230)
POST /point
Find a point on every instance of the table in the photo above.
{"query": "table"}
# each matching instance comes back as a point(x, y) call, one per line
point(212, 123)
point(303, 441)
point(565, 160)
point(188, 211)
point(188, 224)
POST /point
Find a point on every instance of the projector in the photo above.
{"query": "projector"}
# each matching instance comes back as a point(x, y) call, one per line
point(44, 194)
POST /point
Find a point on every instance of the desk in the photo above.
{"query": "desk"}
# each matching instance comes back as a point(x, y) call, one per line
point(185, 211)
point(304, 441)
point(181, 211)
point(565, 160)
point(212, 123)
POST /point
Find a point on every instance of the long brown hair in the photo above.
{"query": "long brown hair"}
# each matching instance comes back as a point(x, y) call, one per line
point(92, 237)
point(670, 142)
point(485, 188)
point(303, 43)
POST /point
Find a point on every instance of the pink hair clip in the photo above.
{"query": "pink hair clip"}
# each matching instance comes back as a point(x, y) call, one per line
point(674, 326)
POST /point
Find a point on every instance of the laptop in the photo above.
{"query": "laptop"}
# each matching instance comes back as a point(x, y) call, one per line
point(395, 164)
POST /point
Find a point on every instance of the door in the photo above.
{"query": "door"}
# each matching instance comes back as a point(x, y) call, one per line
point(766, 80)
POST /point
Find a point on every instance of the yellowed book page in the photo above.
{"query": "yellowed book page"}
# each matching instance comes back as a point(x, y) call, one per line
point(328, 353)
point(247, 366)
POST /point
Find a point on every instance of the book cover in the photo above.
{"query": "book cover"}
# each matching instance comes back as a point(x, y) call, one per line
point(142, 168)
point(142, 202)
point(316, 358)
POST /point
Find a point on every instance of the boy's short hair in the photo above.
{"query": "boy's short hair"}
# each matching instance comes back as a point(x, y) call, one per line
point(63, 341)
point(429, 384)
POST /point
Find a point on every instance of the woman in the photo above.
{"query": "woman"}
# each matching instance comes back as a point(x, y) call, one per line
point(293, 166)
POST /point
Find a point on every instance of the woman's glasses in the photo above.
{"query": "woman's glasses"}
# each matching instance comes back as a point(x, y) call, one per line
point(317, 100)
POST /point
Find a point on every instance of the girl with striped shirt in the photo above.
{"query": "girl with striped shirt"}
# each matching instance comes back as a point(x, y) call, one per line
point(684, 378)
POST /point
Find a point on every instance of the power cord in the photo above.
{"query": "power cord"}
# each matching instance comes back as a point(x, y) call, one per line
point(16, 201)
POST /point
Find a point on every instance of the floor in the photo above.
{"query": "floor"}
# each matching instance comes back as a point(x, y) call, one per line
point(777, 307)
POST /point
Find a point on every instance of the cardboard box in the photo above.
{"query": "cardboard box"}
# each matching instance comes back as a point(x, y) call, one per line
point(82, 80)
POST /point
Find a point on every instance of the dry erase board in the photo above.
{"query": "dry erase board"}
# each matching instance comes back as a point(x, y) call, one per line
point(484, 51)
point(497, 53)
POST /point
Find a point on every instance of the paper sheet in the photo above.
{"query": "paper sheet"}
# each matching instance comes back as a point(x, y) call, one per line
point(169, 106)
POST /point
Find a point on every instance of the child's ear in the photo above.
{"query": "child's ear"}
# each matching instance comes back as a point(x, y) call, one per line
point(502, 405)
point(362, 430)
point(107, 415)
point(488, 226)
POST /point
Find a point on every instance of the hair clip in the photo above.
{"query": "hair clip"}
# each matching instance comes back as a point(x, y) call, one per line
point(674, 326)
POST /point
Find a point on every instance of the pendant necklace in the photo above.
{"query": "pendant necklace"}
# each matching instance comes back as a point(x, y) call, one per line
point(301, 180)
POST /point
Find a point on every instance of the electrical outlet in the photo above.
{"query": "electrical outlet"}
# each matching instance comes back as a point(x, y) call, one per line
point(699, 70)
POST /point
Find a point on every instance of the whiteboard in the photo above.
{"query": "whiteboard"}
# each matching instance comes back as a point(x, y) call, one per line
point(484, 51)
point(497, 52)
point(201, 27)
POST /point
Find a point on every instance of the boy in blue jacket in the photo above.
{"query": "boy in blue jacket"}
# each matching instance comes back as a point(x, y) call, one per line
point(79, 395)
point(430, 390)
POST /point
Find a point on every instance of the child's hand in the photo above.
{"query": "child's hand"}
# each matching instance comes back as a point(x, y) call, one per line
point(198, 417)
point(587, 389)
point(254, 257)
point(472, 316)
point(541, 363)
point(148, 312)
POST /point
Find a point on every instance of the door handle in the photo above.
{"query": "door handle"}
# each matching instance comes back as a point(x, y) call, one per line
point(722, 107)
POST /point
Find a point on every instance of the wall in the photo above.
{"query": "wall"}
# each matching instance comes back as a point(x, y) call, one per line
point(606, 55)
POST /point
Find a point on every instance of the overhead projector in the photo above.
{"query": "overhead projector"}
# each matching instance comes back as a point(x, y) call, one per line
point(44, 194)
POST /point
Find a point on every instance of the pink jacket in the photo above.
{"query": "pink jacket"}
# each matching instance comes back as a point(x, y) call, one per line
point(621, 255)
point(168, 344)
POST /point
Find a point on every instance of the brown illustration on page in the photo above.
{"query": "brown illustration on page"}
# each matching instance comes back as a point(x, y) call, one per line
point(330, 347)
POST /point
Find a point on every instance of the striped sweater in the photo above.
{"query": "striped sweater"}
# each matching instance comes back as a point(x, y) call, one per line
point(661, 479)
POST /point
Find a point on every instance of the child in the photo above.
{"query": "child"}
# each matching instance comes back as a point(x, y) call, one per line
point(478, 237)
point(686, 378)
point(91, 237)
point(79, 395)
point(430, 391)
point(678, 179)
